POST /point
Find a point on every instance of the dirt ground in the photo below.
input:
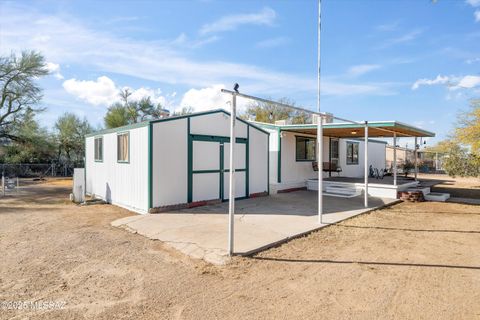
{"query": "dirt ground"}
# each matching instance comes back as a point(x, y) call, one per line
point(457, 187)
point(409, 261)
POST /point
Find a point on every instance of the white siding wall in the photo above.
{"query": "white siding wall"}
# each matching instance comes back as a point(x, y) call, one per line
point(216, 124)
point(294, 174)
point(376, 157)
point(258, 153)
point(122, 184)
point(169, 163)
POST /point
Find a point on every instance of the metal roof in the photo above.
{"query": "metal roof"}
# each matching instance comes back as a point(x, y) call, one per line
point(379, 129)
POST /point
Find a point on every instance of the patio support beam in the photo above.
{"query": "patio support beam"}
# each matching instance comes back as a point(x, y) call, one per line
point(231, 197)
point(395, 159)
point(415, 160)
point(366, 165)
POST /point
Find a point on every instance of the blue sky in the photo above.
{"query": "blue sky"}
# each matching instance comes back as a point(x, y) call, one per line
point(413, 61)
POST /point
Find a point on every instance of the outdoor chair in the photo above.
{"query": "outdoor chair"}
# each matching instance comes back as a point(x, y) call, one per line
point(327, 167)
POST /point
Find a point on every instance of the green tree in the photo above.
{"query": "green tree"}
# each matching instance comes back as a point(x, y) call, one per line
point(70, 133)
point(33, 144)
point(128, 112)
point(183, 111)
point(270, 112)
point(468, 130)
point(19, 92)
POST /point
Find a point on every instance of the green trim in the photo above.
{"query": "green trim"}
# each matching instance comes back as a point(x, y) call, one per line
point(189, 164)
point(201, 137)
point(247, 163)
point(95, 149)
point(196, 114)
point(150, 161)
point(279, 156)
point(119, 134)
point(268, 164)
point(378, 124)
point(207, 171)
point(315, 151)
point(123, 128)
point(369, 140)
point(221, 176)
point(237, 170)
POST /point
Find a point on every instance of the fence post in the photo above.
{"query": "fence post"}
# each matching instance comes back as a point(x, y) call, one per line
point(18, 184)
point(3, 185)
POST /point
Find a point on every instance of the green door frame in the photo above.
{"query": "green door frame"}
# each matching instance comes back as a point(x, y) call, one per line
point(221, 171)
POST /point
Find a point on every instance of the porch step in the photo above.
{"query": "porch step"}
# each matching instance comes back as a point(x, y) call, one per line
point(437, 196)
point(341, 191)
point(425, 190)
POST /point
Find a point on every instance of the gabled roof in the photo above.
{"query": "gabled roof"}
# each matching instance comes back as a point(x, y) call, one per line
point(195, 114)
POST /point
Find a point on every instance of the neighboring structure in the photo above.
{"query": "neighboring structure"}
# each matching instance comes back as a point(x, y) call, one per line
point(403, 154)
point(175, 162)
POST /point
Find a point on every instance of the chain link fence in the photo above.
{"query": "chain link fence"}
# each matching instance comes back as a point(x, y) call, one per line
point(39, 170)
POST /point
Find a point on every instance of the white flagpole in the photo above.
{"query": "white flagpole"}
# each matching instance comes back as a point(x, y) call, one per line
point(231, 199)
point(319, 123)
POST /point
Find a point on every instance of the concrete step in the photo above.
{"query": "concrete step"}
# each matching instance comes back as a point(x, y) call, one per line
point(425, 190)
point(341, 195)
point(341, 190)
point(437, 196)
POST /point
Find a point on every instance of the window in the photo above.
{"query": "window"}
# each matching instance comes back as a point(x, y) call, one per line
point(305, 148)
point(98, 149)
point(334, 149)
point(123, 146)
point(352, 152)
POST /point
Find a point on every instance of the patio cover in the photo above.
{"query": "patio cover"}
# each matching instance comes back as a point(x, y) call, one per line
point(376, 129)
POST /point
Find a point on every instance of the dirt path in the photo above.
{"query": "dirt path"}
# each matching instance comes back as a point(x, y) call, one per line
point(410, 261)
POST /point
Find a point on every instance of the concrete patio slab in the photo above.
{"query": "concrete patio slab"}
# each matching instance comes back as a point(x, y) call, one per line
point(259, 223)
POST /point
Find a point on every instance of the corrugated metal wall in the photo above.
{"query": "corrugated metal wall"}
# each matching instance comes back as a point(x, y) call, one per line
point(122, 184)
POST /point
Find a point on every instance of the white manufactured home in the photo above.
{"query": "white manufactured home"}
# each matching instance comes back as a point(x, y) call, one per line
point(176, 162)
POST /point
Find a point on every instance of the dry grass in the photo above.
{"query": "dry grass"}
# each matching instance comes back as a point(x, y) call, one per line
point(410, 261)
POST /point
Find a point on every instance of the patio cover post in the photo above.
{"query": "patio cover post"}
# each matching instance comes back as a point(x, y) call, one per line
point(415, 160)
point(231, 196)
point(319, 123)
point(366, 165)
point(394, 158)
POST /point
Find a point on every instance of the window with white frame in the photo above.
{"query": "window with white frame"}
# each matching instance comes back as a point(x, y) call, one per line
point(352, 152)
point(98, 153)
point(123, 146)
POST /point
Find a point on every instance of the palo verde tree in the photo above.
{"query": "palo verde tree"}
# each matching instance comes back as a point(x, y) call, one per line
point(462, 149)
point(19, 92)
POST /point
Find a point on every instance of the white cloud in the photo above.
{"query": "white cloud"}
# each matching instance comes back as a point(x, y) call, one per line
point(452, 82)
point(231, 22)
point(67, 41)
point(405, 38)
point(99, 92)
point(467, 82)
point(473, 3)
point(477, 15)
point(54, 68)
point(211, 98)
point(428, 82)
point(361, 69)
point(474, 60)
point(104, 92)
point(273, 42)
